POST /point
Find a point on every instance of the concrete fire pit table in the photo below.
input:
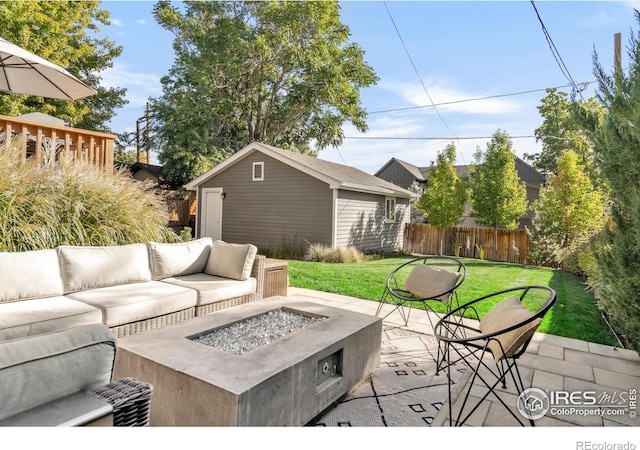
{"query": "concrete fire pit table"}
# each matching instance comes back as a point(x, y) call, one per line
point(286, 382)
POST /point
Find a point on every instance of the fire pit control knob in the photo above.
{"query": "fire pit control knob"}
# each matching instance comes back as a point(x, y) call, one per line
point(325, 367)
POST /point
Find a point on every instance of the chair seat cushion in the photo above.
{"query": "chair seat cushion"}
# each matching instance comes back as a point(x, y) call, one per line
point(40, 369)
point(134, 302)
point(505, 314)
point(25, 318)
point(212, 289)
point(430, 282)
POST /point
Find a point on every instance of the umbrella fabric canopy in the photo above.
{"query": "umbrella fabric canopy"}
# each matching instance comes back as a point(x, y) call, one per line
point(22, 72)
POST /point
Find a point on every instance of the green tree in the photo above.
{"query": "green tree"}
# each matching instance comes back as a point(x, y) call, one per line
point(617, 146)
point(561, 131)
point(65, 33)
point(444, 198)
point(497, 196)
point(568, 211)
point(283, 73)
point(124, 151)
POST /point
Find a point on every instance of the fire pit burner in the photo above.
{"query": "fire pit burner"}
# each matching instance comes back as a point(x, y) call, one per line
point(255, 332)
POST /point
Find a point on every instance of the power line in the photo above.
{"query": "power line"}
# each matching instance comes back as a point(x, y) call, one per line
point(556, 55)
point(415, 69)
point(406, 108)
point(394, 138)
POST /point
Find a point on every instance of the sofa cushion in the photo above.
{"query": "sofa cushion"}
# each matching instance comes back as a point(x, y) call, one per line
point(95, 267)
point(40, 369)
point(212, 289)
point(32, 274)
point(429, 282)
point(44, 315)
point(183, 258)
point(128, 303)
point(233, 261)
point(505, 314)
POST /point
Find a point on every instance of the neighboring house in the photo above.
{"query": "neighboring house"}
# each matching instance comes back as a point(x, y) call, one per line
point(272, 198)
point(404, 174)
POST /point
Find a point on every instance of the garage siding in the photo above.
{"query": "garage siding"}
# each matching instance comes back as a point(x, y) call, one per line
point(361, 222)
point(287, 208)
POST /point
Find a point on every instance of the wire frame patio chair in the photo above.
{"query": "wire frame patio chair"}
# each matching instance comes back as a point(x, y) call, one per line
point(427, 280)
point(491, 345)
point(424, 280)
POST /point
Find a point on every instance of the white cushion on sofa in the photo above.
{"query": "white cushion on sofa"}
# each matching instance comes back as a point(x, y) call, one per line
point(212, 289)
point(183, 258)
point(128, 303)
point(44, 315)
point(32, 274)
point(95, 267)
point(233, 261)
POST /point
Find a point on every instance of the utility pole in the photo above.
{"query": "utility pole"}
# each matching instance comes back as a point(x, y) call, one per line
point(148, 134)
point(617, 52)
point(138, 140)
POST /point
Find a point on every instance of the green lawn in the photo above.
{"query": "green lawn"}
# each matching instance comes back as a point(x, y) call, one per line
point(574, 314)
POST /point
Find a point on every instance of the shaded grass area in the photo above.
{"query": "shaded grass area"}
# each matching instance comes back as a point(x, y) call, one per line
point(574, 315)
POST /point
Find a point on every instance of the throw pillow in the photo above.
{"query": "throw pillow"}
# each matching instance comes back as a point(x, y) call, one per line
point(505, 314)
point(233, 261)
point(430, 282)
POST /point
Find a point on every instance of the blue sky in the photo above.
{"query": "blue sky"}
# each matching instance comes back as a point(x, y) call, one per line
point(460, 50)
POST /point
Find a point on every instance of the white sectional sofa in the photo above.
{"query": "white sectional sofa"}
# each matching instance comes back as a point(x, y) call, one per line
point(128, 288)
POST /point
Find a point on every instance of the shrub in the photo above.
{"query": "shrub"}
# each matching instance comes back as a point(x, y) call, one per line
point(350, 255)
point(321, 253)
point(324, 253)
point(47, 203)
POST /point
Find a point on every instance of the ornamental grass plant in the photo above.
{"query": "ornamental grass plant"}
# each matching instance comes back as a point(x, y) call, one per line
point(50, 202)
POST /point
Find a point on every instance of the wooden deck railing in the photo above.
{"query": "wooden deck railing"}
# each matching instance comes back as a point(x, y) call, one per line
point(91, 146)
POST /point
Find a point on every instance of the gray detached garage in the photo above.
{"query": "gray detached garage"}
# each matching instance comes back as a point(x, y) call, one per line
point(268, 196)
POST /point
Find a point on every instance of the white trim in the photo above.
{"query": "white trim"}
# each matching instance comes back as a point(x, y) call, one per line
point(203, 215)
point(253, 171)
point(334, 219)
point(395, 207)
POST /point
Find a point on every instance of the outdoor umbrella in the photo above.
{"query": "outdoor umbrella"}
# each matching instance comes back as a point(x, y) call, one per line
point(22, 72)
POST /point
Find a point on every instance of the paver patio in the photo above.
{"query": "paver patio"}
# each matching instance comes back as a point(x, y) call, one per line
point(551, 363)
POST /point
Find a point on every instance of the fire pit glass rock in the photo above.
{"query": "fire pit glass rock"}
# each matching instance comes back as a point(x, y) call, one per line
point(255, 332)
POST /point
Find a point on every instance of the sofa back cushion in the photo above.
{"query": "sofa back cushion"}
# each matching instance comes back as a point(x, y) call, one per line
point(183, 258)
point(85, 268)
point(32, 274)
point(233, 261)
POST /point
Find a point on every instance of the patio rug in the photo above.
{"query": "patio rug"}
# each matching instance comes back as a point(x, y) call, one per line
point(403, 391)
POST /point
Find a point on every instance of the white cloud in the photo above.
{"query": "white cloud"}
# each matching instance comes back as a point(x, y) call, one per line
point(116, 22)
point(139, 85)
point(449, 99)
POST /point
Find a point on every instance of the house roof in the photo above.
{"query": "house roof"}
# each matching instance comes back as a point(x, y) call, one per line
point(337, 176)
point(413, 170)
point(526, 173)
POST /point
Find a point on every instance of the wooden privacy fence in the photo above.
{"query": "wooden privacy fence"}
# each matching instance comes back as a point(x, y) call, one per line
point(181, 208)
point(424, 238)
